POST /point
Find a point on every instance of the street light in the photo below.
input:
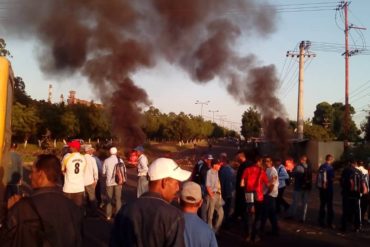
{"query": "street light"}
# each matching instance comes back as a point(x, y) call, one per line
point(213, 114)
point(201, 105)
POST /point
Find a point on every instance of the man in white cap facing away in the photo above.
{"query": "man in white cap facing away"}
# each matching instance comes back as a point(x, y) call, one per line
point(151, 220)
point(112, 187)
point(91, 177)
point(197, 232)
point(142, 171)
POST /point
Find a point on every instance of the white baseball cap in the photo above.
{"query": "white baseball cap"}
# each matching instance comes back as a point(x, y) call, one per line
point(167, 168)
point(113, 150)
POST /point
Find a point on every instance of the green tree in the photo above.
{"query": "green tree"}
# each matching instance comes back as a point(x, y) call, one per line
point(366, 128)
point(153, 122)
point(70, 123)
point(323, 115)
point(316, 132)
point(50, 115)
point(24, 122)
point(20, 94)
point(99, 125)
point(338, 123)
point(251, 123)
point(218, 131)
point(3, 51)
point(331, 117)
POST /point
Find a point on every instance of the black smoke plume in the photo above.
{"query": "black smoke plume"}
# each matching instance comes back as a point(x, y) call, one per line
point(108, 41)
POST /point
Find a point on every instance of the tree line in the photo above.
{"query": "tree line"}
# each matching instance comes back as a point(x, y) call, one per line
point(34, 119)
point(327, 124)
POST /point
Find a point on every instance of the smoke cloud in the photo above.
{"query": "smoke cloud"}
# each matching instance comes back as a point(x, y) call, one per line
point(108, 41)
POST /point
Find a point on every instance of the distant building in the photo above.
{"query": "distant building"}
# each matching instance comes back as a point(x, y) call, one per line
point(73, 100)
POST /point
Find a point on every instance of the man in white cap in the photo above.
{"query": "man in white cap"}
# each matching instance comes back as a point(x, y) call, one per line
point(197, 232)
point(91, 177)
point(112, 187)
point(151, 220)
point(142, 171)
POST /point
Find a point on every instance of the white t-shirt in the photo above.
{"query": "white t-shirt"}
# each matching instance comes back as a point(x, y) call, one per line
point(142, 165)
point(73, 167)
point(271, 173)
point(91, 171)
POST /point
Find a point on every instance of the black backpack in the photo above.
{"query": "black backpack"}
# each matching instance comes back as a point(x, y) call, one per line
point(355, 182)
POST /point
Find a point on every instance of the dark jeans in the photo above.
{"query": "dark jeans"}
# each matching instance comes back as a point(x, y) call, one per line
point(240, 206)
point(326, 207)
point(280, 201)
point(351, 212)
point(227, 210)
point(77, 198)
point(364, 206)
point(269, 212)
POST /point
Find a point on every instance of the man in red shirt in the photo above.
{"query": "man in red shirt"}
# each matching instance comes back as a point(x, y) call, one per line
point(254, 180)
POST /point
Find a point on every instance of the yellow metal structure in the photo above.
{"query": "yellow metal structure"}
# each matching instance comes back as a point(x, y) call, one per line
point(6, 100)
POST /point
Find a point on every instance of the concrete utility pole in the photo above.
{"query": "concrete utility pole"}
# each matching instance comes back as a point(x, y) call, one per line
point(201, 105)
point(303, 52)
point(347, 53)
point(50, 92)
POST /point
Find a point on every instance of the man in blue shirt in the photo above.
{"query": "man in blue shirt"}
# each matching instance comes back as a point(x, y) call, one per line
point(227, 180)
point(325, 179)
point(197, 233)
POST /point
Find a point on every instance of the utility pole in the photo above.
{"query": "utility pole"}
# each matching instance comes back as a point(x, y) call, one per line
point(222, 119)
point(303, 52)
point(213, 114)
point(347, 53)
point(50, 91)
point(201, 105)
point(346, 57)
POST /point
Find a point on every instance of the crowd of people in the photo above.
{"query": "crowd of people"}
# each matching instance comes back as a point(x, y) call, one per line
point(175, 207)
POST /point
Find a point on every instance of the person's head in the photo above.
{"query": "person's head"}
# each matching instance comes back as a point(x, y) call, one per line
point(240, 156)
point(216, 165)
point(89, 149)
point(267, 161)
point(139, 149)
point(113, 151)
point(329, 158)
point(360, 163)
point(74, 146)
point(164, 177)
point(14, 146)
point(303, 159)
point(277, 161)
point(352, 162)
point(209, 160)
point(259, 161)
point(46, 171)
point(191, 197)
point(223, 158)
